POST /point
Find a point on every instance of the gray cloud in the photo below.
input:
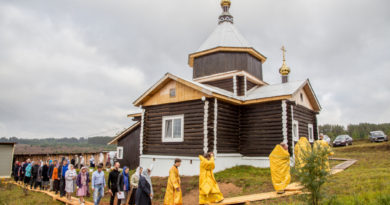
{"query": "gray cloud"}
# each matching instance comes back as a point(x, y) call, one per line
point(73, 68)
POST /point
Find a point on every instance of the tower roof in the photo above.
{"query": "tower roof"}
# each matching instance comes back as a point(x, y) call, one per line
point(225, 35)
point(225, 38)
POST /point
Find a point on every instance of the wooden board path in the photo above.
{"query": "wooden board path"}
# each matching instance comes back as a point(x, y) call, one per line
point(73, 201)
point(291, 189)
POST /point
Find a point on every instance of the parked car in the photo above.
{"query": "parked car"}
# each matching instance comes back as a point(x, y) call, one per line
point(342, 140)
point(378, 136)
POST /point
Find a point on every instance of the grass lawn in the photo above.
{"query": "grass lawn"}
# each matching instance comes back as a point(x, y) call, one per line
point(13, 195)
point(365, 182)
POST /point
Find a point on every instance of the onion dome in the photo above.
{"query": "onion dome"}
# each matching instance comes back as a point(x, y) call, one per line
point(284, 70)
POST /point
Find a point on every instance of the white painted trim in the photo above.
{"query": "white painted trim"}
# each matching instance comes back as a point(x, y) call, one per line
point(292, 133)
point(245, 85)
point(235, 85)
point(117, 151)
point(141, 136)
point(215, 125)
point(205, 131)
point(284, 121)
point(311, 139)
point(167, 157)
point(230, 155)
point(229, 74)
point(172, 117)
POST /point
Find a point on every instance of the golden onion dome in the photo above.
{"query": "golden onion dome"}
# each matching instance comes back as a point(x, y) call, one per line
point(225, 3)
point(284, 70)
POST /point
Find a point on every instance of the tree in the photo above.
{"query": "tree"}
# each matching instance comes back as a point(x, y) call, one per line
point(312, 173)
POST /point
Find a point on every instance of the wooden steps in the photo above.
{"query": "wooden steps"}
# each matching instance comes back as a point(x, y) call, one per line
point(292, 189)
point(73, 201)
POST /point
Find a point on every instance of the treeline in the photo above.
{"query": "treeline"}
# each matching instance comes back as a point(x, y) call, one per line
point(85, 142)
point(359, 131)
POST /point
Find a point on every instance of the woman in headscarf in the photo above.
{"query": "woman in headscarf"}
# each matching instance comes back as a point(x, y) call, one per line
point(123, 183)
point(144, 194)
point(82, 184)
point(134, 184)
point(70, 177)
point(208, 188)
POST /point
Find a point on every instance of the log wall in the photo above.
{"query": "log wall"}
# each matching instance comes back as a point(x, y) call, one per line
point(130, 144)
point(193, 129)
point(226, 61)
point(304, 117)
point(226, 84)
point(228, 128)
point(260, 128)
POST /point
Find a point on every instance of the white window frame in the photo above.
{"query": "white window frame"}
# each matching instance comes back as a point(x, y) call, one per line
point(172, 117)
point(295, 137)
point(119, 150)
point(310, 133)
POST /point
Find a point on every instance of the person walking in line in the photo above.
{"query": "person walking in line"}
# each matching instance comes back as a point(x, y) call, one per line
point(123, 184)
point(70, 179)
point(24, 170)
point(134, 185)
point(50, 174)
point(82, 184)
point(173, 193)
point(92, 162)
point(208, 187)
point(15, 171)
point(301, 150)
point(34, 175)
point(322, 146)
point(20, 173)
point(144, 193)
point(280, 167)
point(55, 178)
point(27, 175)
point(112, 182)
point(45, 176)
point(98, 184)
point(39, 177)
point(61, 175)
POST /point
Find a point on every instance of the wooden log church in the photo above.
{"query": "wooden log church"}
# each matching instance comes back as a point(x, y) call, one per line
point(226, 108)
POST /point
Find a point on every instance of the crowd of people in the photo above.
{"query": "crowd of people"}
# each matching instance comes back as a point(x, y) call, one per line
point(138, 189)
point(62, 177)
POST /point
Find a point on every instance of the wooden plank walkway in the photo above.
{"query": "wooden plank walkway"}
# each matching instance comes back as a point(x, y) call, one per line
point(291, 189)
point(73, 201)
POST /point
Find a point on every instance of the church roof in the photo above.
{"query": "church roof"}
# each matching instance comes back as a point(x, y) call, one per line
point(257, 94)
point(224, 35)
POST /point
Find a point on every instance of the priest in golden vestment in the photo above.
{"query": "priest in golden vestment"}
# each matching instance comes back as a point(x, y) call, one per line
point(322, 146)
point(173, 194)
point(208, 188)
point(301, 149)
point(280, 167)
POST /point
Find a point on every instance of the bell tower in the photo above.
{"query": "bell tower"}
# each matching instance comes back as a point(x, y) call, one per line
point(226, 51)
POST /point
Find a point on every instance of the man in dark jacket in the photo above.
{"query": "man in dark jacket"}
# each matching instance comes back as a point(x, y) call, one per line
point(61, 175)
point(34, 175)
point(50, 174)
point(112, 182)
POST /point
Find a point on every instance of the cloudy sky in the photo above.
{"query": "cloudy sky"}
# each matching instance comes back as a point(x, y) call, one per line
point(73, 68)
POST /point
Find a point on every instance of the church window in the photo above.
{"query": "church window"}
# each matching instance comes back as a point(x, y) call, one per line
point(301, 97)
point(311, 132)
point(295, 130)
point(119, 152)
point(173, 128)
point(172, 92)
